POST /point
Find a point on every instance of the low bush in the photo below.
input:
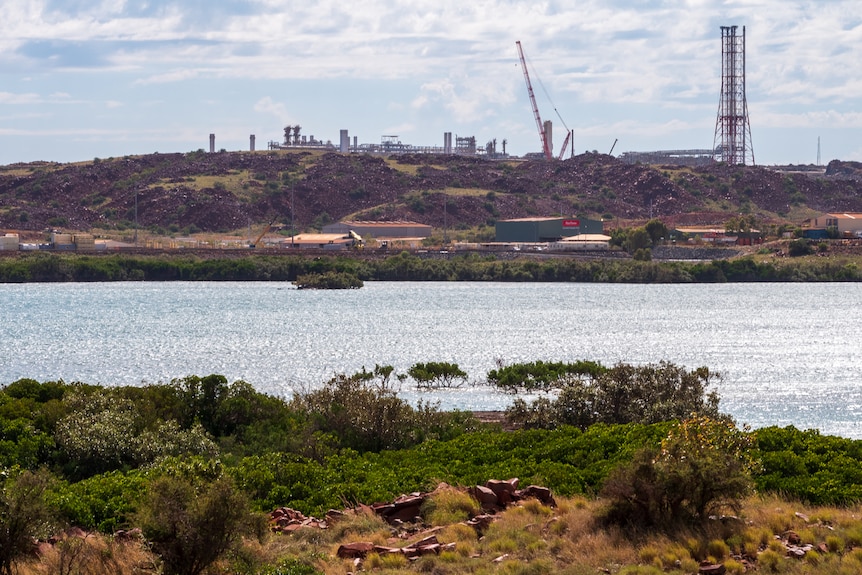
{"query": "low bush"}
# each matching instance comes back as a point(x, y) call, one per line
point(702, 469)
point(23, 516)
point(191, 526)
point(622, 394)
point(437, 374)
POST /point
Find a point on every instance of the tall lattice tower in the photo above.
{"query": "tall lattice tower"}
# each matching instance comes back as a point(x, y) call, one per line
point(732, 142)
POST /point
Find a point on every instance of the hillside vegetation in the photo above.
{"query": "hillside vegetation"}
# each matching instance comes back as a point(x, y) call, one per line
point(228, 191)
point(185, 478)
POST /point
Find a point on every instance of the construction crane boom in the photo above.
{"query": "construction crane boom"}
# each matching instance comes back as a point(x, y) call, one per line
point(565, 145)
point(256, 242)
point(545, 148)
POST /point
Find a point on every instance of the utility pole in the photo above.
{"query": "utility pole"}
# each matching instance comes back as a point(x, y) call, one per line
point(136, 217)
point(445, 222)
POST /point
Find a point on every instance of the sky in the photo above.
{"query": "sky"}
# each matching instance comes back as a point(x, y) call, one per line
point(81, 79)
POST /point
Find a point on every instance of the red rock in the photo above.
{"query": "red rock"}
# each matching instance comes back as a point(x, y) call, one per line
point(504, 490)
point(381, 550)
point(432, 540)
point(480, 522)
point(543, 494)
point(333, 516)
point(359, 549)
point(485, 496)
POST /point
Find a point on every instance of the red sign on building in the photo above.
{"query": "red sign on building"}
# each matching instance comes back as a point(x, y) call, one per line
point(571, 223)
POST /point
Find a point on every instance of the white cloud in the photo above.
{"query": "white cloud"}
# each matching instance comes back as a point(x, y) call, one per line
point(269, 106)
point(10, 98)
point(654, 65)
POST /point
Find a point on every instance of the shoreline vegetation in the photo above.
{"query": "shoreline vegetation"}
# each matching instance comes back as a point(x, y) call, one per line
point(404, 266)
point(648, 475)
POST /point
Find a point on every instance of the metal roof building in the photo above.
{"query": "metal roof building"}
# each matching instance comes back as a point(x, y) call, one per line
point(532, 230)
point(319, 241)
point(377, 229)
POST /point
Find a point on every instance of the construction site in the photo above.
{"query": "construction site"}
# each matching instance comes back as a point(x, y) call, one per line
point(732, 143)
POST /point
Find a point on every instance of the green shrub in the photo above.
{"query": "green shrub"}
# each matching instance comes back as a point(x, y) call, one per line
point(23, 515)
point(800, 247)
point(191, 526)
point(437, 374)
point(291, 567)
point(542, 375)
point(701, 469)
point(623, 394)
point(328, 280)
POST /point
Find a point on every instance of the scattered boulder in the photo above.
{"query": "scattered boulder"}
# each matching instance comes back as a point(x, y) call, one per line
point(357, 550)
point(708, 568)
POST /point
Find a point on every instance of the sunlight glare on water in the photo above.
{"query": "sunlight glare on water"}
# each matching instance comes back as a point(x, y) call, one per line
point(789, 353)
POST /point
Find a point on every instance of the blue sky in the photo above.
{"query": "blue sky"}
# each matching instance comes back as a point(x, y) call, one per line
point(87, 78)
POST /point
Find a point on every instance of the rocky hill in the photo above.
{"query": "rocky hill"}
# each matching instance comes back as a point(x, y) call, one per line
point(228, 191)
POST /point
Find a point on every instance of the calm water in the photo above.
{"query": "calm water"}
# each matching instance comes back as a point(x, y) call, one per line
point(790, 353)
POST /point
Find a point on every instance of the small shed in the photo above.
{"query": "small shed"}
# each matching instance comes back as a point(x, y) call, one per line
point(583, 242)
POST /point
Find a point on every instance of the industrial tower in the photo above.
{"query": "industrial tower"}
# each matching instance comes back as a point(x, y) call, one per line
point(732, 143)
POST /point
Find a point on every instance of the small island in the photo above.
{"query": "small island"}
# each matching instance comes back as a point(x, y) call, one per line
point(328, 280)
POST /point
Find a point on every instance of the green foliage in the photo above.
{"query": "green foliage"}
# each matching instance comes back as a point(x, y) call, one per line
point(32, 389)
point(701, 469)
point(291, 566)
point(22, 444)
point(805, 465)
point(567, 460)
point(542, 375)
point(23, 515)
point(623, 394)
point(328, 280)
point(104, 432)
point(367, 416)
point(356, 440)
point(33, 267)
point(437, 374)
point(740, 223)
point(637, 239)
point(799, 247)
point(191, 526)
point(642, 255)
point(657, 231)
point(104, 502)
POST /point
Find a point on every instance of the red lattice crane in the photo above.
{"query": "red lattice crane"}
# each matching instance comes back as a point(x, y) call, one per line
point(545, 147)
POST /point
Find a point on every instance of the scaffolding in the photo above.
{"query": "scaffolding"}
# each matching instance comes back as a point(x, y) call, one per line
point(732, 142)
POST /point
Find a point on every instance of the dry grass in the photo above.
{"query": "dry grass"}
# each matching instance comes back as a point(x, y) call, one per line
point(411, 169)
point(447, 506)
point(92, 555)
point(527, 539)
point(468, 192)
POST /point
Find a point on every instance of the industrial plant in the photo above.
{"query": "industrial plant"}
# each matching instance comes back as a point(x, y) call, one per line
point(731, 143)
point(732, 139)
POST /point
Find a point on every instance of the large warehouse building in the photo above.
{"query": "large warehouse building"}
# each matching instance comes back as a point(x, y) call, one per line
point(533, 230)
